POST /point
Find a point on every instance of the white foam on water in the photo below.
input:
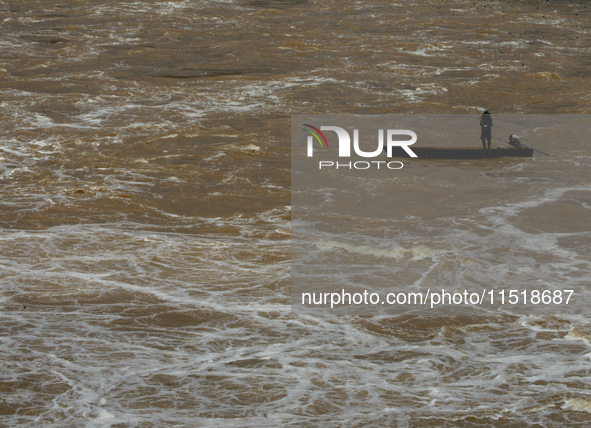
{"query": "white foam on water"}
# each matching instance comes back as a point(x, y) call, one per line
point(551, 195)
point(578, 404)
point(249, 148)
point(416, 252)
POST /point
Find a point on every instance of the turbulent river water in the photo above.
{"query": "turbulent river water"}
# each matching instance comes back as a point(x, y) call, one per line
point(145, 214)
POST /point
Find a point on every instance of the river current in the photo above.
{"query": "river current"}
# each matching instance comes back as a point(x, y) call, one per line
point(145, 214)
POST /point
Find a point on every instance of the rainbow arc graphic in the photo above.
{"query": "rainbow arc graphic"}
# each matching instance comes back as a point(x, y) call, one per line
point(317, 134)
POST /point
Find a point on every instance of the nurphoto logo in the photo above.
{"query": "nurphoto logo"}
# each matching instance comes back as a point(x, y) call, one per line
point(344, 146)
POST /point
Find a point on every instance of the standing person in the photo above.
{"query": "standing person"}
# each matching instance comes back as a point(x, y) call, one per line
point(486, 124)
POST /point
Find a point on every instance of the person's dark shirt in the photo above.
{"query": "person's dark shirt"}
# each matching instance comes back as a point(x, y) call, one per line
point(486, 120)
